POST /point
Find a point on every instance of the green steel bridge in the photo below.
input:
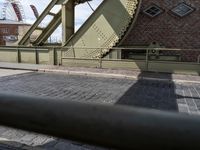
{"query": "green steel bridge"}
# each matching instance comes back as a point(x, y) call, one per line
point(90, 46)
point(97, 43)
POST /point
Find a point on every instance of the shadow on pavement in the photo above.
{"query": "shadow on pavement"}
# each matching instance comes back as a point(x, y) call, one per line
point(151, 94)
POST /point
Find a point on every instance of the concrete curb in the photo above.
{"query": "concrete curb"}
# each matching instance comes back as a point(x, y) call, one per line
point(87, 73)
point(93, 73)
point(19, 68)
point(111, 75)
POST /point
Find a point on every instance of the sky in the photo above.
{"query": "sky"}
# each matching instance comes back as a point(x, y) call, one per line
point(82, 12)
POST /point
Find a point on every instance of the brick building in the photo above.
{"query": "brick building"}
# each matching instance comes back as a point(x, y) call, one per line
point(10, 31)
point(7, 29)
point(171, 24)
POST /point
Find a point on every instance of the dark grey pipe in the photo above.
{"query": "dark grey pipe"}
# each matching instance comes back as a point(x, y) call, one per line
point(111, 126)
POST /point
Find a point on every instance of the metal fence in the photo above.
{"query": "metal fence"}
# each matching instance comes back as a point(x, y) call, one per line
point(153, 59)
point(32, 55)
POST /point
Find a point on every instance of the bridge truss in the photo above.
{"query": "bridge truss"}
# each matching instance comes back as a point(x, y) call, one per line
point(106, 27)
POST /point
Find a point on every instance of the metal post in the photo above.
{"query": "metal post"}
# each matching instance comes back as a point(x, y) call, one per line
point(18, 55)
point(67, 20)
point(52, 56)
point(100, 59)
point(61, 57)
point(36, 56)
point(147, 59)
point(198, 59)
point(74, 52)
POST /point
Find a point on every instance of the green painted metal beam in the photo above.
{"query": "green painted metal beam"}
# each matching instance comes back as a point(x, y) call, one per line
point(67, 20)
point(104, 28)
point(26, 38)
point(59, 2)
point(46, 32)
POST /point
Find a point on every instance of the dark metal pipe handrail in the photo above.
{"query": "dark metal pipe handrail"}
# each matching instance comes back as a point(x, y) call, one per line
point(111, 126)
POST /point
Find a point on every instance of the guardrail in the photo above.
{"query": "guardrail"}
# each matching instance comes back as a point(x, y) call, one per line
point(33, 55)
point(146, 62)
point(116, 126)
point(149, 62)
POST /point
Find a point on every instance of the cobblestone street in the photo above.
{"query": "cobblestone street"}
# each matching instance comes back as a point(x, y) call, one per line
point(154, 94)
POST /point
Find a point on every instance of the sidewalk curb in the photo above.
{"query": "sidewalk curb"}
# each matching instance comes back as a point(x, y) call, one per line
point(87, 73)
point(92, 73)
point(111, 75)
point(19, 68)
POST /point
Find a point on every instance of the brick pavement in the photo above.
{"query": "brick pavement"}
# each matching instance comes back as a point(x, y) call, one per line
point(155, 94)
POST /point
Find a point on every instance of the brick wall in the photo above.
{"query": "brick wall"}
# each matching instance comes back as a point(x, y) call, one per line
point(2, 42)
point(7, 29)
point(168, 29)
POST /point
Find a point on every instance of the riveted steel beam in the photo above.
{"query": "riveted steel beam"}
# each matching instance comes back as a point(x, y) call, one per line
point(67, 21)
point(26, 38)
point(60, 2)
point(106, 27)
point(46, 32)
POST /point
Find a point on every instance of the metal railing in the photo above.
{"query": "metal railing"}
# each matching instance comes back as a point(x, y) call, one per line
point(116, 126)
point(147, 55)
point(57, 55)
point(198, 59)
point(22, 49)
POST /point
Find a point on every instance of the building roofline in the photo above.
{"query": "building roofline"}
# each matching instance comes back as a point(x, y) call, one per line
point(13, 22)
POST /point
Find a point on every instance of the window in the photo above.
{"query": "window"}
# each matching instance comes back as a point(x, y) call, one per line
point(182, 9)
point(4, 30)
point(153, 11)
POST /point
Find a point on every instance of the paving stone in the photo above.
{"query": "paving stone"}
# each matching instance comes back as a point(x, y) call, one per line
point(49, 143)
point(68, 146)
point(182, 97)
point(183, 108)
point(13, 134)
point(190, 102)
point(39, 140)
point(2, 130)
point(194, 113)
point(12, 145)
point(193, 109)
point(181, 101)
point(94, 89)
point(28, 138)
